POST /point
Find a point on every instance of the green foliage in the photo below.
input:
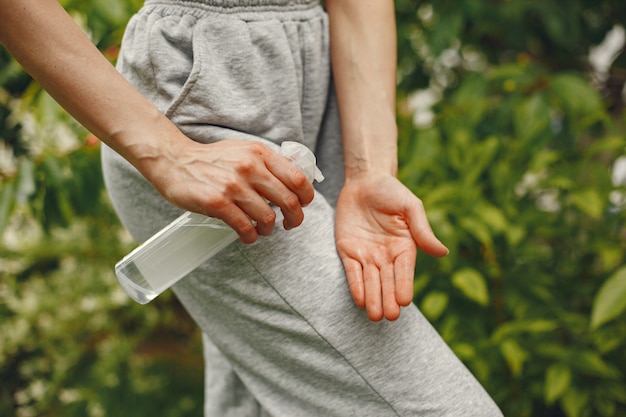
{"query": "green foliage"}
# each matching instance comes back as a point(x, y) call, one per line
point(610, 301)
point(514, 168)
point(73, 344)
point(508, 137)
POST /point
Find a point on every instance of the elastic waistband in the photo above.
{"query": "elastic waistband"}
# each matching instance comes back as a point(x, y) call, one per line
point(240, 4)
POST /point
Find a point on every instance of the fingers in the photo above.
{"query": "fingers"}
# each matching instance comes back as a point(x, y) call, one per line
point(296, 191)
point(376, 289)
point(404, 270)
point(278, 181)
point(264, 215)
point(243, 209)
point(240, 223)
point(248, 175)
point(373, 292)
point(391, 308)
point(288, 202)
point(354, 275)
point(380, 293)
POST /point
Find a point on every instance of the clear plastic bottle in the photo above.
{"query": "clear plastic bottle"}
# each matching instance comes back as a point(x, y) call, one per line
point(188, 241)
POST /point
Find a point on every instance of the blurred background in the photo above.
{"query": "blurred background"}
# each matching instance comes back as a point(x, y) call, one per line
point(512, 131)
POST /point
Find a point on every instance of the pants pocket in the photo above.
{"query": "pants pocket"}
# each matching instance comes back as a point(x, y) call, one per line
point(243, 78)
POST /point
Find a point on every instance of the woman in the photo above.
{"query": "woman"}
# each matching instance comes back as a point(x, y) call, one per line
point(210, 88)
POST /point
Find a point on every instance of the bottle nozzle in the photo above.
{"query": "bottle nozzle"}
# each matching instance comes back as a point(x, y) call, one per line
point(303, 159)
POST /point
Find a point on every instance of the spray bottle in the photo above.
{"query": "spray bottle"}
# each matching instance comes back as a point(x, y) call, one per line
point(189, 241)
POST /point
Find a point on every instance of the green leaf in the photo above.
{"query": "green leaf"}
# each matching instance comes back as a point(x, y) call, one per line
point(561, 182)
point(420, 283)
point(540, 326)
point(471, 100)
point(491, 216)
point(610, 301)
point(7, 201)
point(605, 408)
point(558, 380)
point(589, 202)
point(576, 95)
point(477, 229)
point(434, 304)
point(611, 256)
point(482, 157)
point(515, 233)
point(543, 159)
point(514, 355)
point(591, 363)
point(512, 328)
point(464, 351)
point(574, 402)
point(461, 139)
point(471, 283)
point(606, 144)
point(532, 118)
point(441, 194)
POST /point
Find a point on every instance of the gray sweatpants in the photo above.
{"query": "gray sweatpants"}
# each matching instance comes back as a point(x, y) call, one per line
point(282, 335)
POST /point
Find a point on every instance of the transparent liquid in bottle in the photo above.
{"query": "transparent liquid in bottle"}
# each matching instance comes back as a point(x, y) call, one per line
point(171, 254)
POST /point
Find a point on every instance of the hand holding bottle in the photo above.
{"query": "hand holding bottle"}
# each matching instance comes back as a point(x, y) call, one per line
point(192, 239)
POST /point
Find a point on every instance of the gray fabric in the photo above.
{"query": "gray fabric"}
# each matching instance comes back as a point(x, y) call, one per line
point(282, 334)
point(225, 6)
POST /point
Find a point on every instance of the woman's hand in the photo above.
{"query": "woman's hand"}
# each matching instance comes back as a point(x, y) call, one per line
point(233, 180)
point(379, 227)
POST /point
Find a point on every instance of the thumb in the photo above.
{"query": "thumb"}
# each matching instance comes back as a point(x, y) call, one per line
point(422, 232)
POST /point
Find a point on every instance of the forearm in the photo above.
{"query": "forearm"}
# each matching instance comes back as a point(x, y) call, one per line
point(363, 48)
point(56, 52)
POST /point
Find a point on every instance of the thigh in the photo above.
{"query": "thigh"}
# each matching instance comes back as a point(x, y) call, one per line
point(280, 311)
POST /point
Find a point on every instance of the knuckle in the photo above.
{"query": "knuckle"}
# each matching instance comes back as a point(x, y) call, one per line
point(246, 166)
point(244, 227)
point(267, 221)
point(219, 202)
point(299, 179)
point(269, 218)
point(258, 148)
point(231, 188)
point(292, 202)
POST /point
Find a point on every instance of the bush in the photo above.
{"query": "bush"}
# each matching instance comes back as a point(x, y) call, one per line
point(73, 344)
point(508, 136)
point(513, 161)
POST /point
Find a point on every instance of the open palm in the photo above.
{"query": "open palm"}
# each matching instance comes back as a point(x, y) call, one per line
point(379, 227)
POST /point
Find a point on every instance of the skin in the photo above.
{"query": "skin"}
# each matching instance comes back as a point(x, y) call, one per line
point(380, 224)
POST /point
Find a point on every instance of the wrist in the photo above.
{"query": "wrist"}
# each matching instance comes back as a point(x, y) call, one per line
point(149, 142)
point(360, 168)
point(370, 157)
point(370, 138)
